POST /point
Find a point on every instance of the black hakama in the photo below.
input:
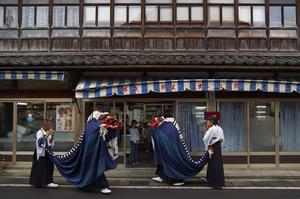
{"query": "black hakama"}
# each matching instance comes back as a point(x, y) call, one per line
point(41, 171)
point(215, 171)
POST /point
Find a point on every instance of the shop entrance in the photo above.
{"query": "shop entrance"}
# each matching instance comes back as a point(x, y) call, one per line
point(6, 130)
point(139, 150)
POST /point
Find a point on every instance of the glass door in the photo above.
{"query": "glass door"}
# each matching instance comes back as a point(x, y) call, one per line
point(30, 118)
point(262, 132)
point(6, 131)
point(139, 147)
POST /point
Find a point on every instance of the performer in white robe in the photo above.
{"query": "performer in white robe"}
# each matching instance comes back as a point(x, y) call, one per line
point(42, 167)
point(213, 140)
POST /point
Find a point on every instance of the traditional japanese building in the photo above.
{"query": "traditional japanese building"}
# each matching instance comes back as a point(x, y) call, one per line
point(140, 58)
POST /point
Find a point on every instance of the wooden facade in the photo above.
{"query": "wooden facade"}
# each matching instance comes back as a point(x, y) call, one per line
point(172, 25)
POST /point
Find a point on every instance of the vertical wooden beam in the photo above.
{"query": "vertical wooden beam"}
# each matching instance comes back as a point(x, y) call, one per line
point(81, 9)
point(35, 16)
point(50, 22)
point(277, 133)
point(112, 22)
point(19, 24)
point(14, 146)
point(248, 132)
point(174, 14)
point(97, 14)
point(205, 22)
point(124, 133)
point(143, 21)
point(45, 111)
point(236, 26)
point(298, 22)
point(267, 13)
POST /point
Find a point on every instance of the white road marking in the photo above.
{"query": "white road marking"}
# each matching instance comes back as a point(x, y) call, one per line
point(168, 187)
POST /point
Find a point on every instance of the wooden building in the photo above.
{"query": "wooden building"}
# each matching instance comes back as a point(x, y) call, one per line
point(61, 58)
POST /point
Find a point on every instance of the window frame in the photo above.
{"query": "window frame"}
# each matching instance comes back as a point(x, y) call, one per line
point(221, 21)
point(35, 7)
point(282, 6)
point(66, 16)
point(159, 6)
point(127, 23)
point(252, 24)
point(96, 6)
point(189, 21)
point(5, 6)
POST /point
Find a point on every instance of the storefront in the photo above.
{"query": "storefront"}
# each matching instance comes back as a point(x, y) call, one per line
point(27, 100)
point(260, 125)
point(259, 118)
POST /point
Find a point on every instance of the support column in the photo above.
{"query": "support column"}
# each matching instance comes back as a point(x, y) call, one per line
point(14, 147)
point(211, 106)
point(277, 133)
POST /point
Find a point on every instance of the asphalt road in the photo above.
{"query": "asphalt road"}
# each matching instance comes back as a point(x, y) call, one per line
point(122, 193)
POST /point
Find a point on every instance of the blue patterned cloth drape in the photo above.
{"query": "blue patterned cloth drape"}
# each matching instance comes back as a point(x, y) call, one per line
point(87, 160)
point(172, 154)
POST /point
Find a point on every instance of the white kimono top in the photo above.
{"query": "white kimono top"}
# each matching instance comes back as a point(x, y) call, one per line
point(213, 135)
point(40, 151)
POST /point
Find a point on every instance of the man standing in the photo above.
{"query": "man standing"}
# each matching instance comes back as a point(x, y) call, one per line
point(213, 139)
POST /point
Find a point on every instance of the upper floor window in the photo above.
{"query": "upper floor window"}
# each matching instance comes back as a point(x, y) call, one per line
point(221, 13)
point(60, 13)
point(252, 13)
point(8, 17)
point(159, 11)
point(96, 13)
point(35, 16)
point(282, 13)
point(127, 12)
point(65, 15)
point(189, 11)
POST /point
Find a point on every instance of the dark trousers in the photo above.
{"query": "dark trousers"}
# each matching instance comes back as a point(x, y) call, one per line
point(99, 184)
point(133, 152)
point(160, 172)
point(215, 171)
point(41, 171)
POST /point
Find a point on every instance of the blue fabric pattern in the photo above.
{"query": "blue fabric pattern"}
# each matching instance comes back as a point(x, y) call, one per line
point(172, 153)
point(88, 159)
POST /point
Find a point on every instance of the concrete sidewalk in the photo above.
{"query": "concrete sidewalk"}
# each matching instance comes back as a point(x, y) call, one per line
point(235, 177)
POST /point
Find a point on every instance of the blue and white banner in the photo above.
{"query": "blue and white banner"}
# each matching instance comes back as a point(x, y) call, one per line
point(105, 88)
point(32, 75)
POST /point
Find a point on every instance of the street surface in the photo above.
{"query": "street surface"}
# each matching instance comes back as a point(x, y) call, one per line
point(147, 193)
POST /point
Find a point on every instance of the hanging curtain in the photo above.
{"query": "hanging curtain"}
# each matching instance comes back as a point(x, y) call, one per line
point(11, 18)
point(104, 15)
point(191, 118)
point(73, 16)
point(290, 126)
point(58, 16)
point(120, 14)
point(42, 17)
point(89, 16)
point(1, 17)
point(233, 123)
point(151, 13)
point(245, 15)
point(259, 16)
